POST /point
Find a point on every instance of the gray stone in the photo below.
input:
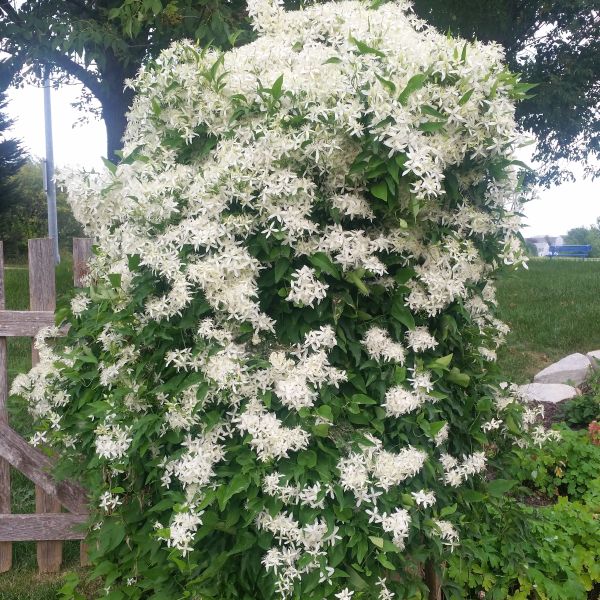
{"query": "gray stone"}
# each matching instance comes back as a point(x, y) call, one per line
point(594, 358)
point(548, 392)
point(572, 369)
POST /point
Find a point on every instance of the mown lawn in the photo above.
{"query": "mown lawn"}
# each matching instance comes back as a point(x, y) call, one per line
point(553, 309)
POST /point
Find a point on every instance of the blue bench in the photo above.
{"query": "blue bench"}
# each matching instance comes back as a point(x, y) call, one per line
point(571, 251)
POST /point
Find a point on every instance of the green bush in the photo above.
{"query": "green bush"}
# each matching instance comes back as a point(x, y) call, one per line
point(582, 410)
point(512, 551)
point(280, 380)
point(564, 468)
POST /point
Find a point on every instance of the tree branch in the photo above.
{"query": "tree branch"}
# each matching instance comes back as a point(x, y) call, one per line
point(9, 11)
point(64, 62)
point(89, 80)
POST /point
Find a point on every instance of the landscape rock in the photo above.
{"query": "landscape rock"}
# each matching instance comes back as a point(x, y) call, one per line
point(548, 392)
point(594, 358)
point(573, 369)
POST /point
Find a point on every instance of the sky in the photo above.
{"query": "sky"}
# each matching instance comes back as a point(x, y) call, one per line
point(554, 212)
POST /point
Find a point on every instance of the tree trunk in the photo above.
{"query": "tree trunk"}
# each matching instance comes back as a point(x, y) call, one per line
point(433, 582)
point(114, 109)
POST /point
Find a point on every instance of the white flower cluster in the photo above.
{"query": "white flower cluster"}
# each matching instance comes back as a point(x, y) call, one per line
point(380, 346)
point(312, 496)
point(270, 438)
point(447, 533)
point(373, 467)
point(419, 339)
point(195, 468)
point(182, 530)
point(306, 289)
point(295, 542)
point(456, 471)
point(112, 441)
point(79, 304)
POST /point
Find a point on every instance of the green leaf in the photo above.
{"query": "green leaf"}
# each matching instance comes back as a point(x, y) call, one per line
point(276, 90)
point(448, 510)
point(435, 427)
point(385, 561)
point(321, 430)
point(432, 126)
point(109, 165)
point(323, 262)
point(376, 541)
point(364, 49)
point(433, 112)
point(387, 84)
point(334, 60)
point(355, 277)
point(240, 482)
point(442, 362)
point(363, 399)
point(466, 97)
point(281, 266)
point(308, 458)
point(472, 495)
point(380, 190)
point(401, 313)
point(325, 412)
point(498, 487)
point(414, 83)
point(455, 376)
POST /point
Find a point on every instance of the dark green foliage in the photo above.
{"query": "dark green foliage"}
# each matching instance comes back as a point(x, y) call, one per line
point(513, 549)
point(566, 468)
point(582, 410)
point(12, 157)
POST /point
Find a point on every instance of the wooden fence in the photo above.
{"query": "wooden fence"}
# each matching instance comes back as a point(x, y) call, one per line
point(49, 525)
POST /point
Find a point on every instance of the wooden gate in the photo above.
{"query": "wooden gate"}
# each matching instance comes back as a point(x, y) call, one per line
point(49, 525)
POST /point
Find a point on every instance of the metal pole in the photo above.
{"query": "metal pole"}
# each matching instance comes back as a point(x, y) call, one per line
point(49, 167)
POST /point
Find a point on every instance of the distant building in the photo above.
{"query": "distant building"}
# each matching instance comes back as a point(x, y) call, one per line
point(543, 243)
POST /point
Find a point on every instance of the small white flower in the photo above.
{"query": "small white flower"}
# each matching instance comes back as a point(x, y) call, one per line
point(305, 288)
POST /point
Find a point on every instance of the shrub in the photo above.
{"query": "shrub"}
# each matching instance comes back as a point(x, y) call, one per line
point(278, 382)
point(511, 551)
point(566, 468)
point(582, 410)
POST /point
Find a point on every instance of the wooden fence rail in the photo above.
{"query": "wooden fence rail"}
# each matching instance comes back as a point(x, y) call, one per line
point(49, 526)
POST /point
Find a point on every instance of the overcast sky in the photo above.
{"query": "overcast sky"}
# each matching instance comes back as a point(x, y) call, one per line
point(555, 212)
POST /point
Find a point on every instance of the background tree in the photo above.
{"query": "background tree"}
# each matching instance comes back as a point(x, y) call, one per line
point(586, 235)
point(102, 43)
point(12, 156)
point(24, 215)
point(555, 44)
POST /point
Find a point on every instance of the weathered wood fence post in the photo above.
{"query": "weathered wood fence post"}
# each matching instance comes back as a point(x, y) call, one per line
point(5, 506)
point(42, 296)
point(50, 525)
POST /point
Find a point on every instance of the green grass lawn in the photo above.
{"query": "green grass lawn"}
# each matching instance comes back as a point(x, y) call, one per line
point(553, 309)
